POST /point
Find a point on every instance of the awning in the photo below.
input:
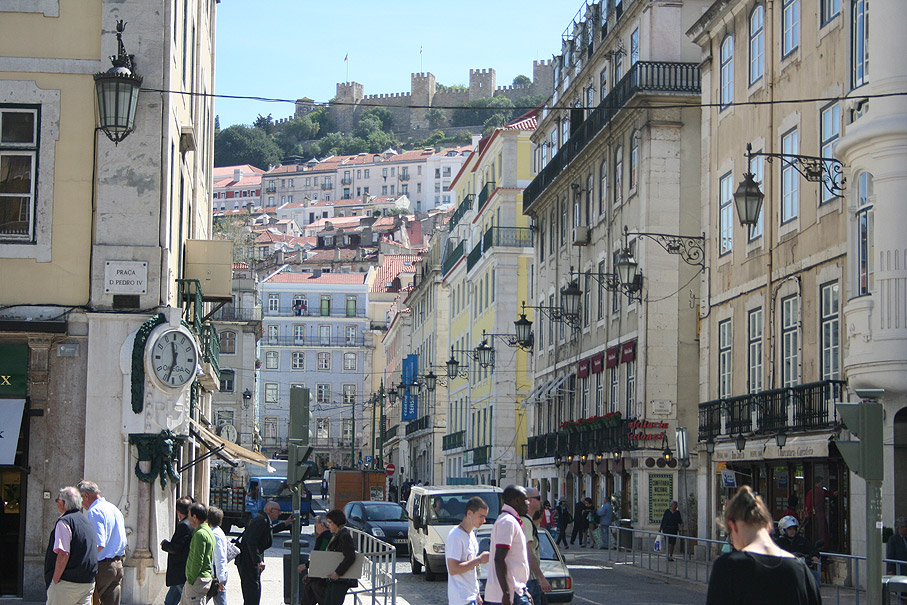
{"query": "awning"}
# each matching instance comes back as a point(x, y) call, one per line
point(598, 363)
point(535, 393)
point(611, 357)
point(804, 446)
point(628, 351)
point(582, 368)
point(556, 385)
point(226, 450)
point(10, 424)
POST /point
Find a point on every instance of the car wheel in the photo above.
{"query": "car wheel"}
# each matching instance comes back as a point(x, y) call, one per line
point(414, 565)
point(429, 573)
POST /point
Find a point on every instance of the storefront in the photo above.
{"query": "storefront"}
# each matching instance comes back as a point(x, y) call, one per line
point(14, 409)
point(807, 473)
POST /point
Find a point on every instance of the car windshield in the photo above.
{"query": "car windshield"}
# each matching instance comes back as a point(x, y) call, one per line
point(274, 488)
point(546, 546)
point(449, 509)
point(385, 512)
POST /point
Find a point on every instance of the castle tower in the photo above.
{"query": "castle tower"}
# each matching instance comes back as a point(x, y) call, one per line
point(542, 77)
point(481, 83)
point(423, 93)
point(349, 94)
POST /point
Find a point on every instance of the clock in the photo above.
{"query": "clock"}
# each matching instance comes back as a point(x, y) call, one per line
point(174, 358)
point(228, 432)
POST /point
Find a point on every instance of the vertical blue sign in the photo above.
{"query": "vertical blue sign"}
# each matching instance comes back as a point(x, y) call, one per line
point(410, 407)
point(410, 369)
point(410, 373)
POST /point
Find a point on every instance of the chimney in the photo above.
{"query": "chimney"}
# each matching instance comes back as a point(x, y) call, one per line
point(237, 174)
point(316, 273)
point(337, 254)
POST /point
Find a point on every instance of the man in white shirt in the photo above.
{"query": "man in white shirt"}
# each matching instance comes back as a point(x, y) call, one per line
point(224, 552)
point(462, 552)
point(508, 576)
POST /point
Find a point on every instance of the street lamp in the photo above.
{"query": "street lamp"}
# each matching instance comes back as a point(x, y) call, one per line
point(392, 395)
point(118, 92)
point(453, 366)
point(740, 442)
point(523, 328)
point(748, 200)
point(626, 267)
point(246, 397)
point(781, 438)
point(485, 354)
point(710, 445)
point(431, 381)
point(570, 299)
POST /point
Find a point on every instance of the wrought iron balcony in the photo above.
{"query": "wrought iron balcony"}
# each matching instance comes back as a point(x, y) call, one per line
point(804, 407)
point(421, 424)
point(211, 347)
point(474, 255)
point(464, 207)
point(315, 311)
point(347, 180)
point(314, 341)
point(327, 185)
point(477, 455)
point(231, 313)
point(486, 192)
point(403, 176)
point(391, 433)
point(451, 259)
point(643, 77)
point(511, 237)
point(590, 441)
point(454, 440)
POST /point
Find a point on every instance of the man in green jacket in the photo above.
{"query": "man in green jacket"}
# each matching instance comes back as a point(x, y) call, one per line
point(201, 556)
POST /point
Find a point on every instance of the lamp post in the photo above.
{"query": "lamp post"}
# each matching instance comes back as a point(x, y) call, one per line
point(118, 92)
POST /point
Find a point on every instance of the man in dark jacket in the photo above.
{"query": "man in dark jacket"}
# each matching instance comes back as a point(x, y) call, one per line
point(177, 549)
point(71, 560)
point(563, 519)
point(256, 539)
point(581, 512)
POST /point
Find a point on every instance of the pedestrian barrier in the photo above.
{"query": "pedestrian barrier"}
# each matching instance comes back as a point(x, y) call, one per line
point(378, 583)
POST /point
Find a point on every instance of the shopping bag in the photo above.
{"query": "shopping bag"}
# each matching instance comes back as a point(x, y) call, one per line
point(659, 545)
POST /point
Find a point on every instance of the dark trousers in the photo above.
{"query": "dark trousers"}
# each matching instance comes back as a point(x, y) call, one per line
point(561, 536)
point(108, 581)
point(319, 590)
point(250, 580)
point(578, 530)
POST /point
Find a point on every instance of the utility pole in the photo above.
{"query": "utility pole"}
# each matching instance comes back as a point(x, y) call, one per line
point(297, 473)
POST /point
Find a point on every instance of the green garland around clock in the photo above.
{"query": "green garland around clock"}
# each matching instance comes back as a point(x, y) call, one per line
point(138, 361)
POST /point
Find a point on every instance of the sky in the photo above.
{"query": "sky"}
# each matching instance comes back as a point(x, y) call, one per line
point(289, 49)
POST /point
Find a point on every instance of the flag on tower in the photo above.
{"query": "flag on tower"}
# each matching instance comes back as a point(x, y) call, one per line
point(346, 57)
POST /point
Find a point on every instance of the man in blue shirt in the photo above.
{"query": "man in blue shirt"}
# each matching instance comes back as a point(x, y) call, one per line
point(605, 518)
point(110, 529)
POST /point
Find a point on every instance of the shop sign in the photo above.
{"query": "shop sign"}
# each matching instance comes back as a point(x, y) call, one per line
point(13, 371)
point(728, 478)
point(598, 362)
point(583, 368)
point(628, 351)
point(636, 430)
point(661, 492)
point(767, 450)
point(612, 355)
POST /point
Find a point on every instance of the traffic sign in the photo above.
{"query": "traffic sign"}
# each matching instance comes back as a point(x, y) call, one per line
point(390, 469)
point(368, 459)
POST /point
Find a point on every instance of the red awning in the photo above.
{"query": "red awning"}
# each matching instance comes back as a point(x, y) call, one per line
point(583, 368)
point(612, 357)
point(598, 363)
point(628, 351)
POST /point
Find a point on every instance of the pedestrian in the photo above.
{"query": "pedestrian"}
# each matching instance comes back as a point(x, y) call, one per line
point(671, 525)
point(463, 557)
point(816, 513)
point(224, 552)
point(537, 583)
point(110, 531)
point(324, 488)
point(791, 511)
point(580, 521)
point(563, 518)
point(255, 540)
point(508, 575)
point(199, 565)
point(896, 550)
point(335, 589)
point(547, 518)
point(177, 549)
point(758, 571)
point(71, 559)
point(322, 538)
point(605, 519)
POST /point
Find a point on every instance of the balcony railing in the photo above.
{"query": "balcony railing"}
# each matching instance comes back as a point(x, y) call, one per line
point(579, 441)
point(347, 180)
point(804, 407)
point(454, 440)
point(514, 237)
point(464, 207)
point(644, 76)
point(315, 311)
point(211, 347)
point(403, 176)
point(474, 255)
point(421, 424)
point(486, 192)
point(230, 313)
point(315, 341)
point(452, 258)
point(271, 189)
point(478, 455)
point(327, 185)
point(391, 432)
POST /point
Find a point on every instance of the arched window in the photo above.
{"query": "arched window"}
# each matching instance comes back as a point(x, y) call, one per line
point(603, 189)
point(864, 234)
point(634, 159)
point(757, 43)
point(727, 71)
point(228, 342)
point(619, 176)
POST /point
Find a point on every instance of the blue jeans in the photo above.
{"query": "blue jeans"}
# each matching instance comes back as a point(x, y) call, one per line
point(220, 598)
point(519, 599)
point(174, 595)
point(535, 591)
point(606, 535)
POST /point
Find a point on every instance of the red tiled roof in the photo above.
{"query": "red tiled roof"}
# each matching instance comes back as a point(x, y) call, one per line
point(414, 230)
point(324, 278)
point(323, 256)
point(393, 265)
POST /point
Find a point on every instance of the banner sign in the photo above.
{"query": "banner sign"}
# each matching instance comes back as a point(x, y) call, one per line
point(410, 370)
point(409, 411)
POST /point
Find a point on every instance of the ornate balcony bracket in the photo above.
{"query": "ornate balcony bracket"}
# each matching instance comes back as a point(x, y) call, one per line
point(815, 169)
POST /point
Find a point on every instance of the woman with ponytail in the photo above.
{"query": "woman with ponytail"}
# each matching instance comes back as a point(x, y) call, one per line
point(757, 571)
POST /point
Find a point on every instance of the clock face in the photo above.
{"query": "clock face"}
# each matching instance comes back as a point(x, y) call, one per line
point(174, 358)
point(228, 432)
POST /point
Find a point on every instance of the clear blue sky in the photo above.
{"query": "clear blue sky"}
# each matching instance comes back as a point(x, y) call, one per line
point(295, 48)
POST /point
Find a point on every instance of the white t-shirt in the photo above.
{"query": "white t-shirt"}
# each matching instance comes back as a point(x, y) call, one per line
point(508, 533)
point(462, 588)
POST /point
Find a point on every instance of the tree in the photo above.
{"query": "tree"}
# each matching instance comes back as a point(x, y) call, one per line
point(216, 123)
point(435, 118)
point(479, 111)
point(521, 81)
point(243, 145)
point(234, 228)
point(265, 123)
point(383, 115)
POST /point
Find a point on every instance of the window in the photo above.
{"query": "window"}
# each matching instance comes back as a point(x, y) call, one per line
point(859, 44)
point(790, 22)
point(599, 394)
point(790, 341)
point(273, 302)
point(565, 214)
point(830, 332)
point(631, 389)
point(831, 130)
point(618, 67)
point(18, 155)
point(322, 428)
point(273, 335)
point(228, 343)
point(584, 397)
point(754, 350)
point(634, 47)
point(552, 231)
point(298, 360)
point(271, 393)
point(756, 168)
point(325, 305)
point(865, 245)
point(601, 290)
point(603, 84)
point(830, 9)
point(541, 247)
point(350, 335)
point(727, 71)
point(272, 360)
point(323, 393)
point(270, 429)
point(615, 294)
point(349, 394)
point(224, 417)
point(226, 381)
point(351, 306)
point(634, 159)
point(565, 131)
point(724, 358)
point(615, 390)
point(324, 361)
point(552, 322)
point(366, 172)
point(603, 188)
point(725, 214)
point(299, 333)
point(587, 298)
point(324, 335)
point(790, 185)
point(618, 176)
point(349, 362)
point(757, 43)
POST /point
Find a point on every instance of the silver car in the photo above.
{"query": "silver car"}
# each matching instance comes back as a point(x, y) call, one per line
point(553, 565)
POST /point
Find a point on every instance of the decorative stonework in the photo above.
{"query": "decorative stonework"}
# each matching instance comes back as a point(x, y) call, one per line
point(161, 451)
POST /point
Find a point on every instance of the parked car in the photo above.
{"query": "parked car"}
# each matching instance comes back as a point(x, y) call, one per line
point(552, 563)
point(385, 520)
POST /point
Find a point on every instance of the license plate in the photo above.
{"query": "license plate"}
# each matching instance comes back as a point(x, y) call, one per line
point(400, 541)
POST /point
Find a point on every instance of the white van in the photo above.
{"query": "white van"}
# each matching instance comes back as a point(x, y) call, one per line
point(435, 510)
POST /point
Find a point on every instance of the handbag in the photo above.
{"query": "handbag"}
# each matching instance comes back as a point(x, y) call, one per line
point(214, 588)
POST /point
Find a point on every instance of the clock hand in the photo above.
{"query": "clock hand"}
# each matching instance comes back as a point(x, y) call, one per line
point(173, 362)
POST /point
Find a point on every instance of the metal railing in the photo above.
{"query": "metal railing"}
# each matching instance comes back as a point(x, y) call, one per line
point(601, 440)
point(420, 424)
point(485, 194)
point(378, 583)
point(315, 311)
point(314, 341)
point(644, 76)
point(474, 255)
point(211, 347)
point(513, 237)
point(454, 440)
point(464, 207)
point(391, 432)
point(230, 313)
point(480, 455)
point(451, 259)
